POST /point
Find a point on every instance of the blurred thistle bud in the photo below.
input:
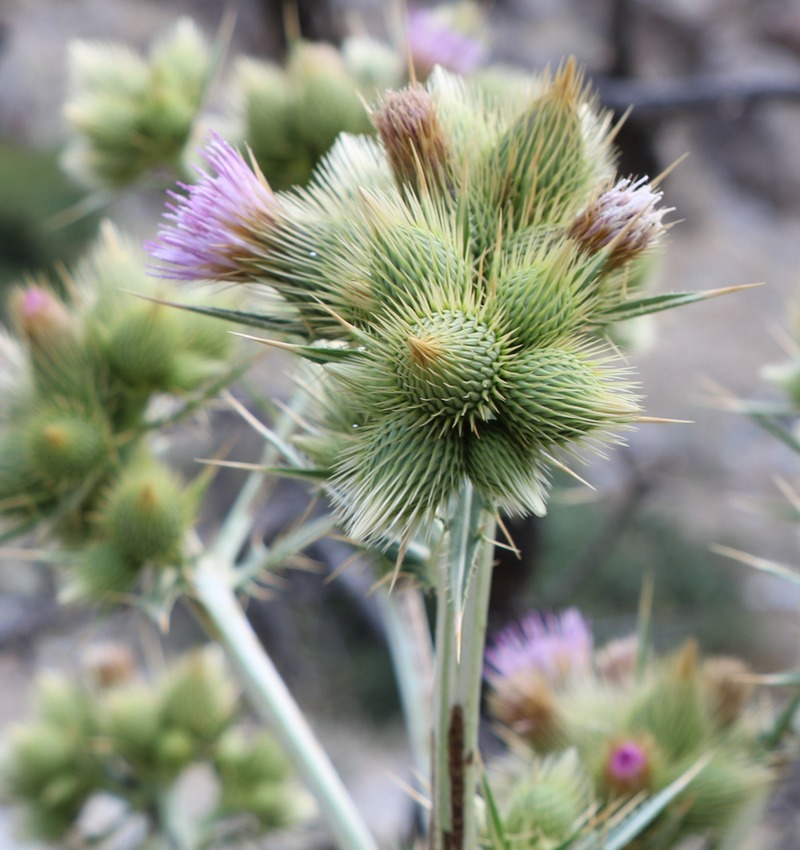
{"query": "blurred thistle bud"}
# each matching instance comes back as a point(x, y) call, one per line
point(41, 317)
point(146, 513)
point(548, 799)
point(103, 573)
point(728, 688)
point(528, 663)
point(267, 111)
point(129, 115)
point(199, 697)
point(673, 708)
point(325, 99)
point(65, 445)
point(628, 766)
point(373, 65)
point(527, 704)
point(143, 344)
point(108, 665)
point(446, 36)
point(223, 226)
point(624, 221)
point(415, 142)
point(616, 661)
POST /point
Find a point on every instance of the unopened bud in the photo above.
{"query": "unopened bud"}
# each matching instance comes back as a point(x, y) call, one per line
point(109, 664)
point(40, 316)
point(415, 141)
point(727, 687)
point(628, 769)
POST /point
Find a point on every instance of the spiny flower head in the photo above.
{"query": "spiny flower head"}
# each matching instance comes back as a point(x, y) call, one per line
point(463, 317)
point(219, 227)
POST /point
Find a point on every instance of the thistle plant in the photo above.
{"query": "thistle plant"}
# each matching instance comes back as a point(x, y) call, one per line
point(452, 283)
point(107, 731)
point(593, 728)
point(452, 278)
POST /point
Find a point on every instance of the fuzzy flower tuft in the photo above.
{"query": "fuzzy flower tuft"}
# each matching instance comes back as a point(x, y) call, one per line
point(220, 228)
point(555, 646)
point(625, 219)
point(628, 767)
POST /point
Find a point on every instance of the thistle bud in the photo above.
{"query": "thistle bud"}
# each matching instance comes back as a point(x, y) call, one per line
point(40, 316)
point(526, 703)
point(66, 445)
point(198, 698)
point(267, 115)
point(616, 662)
point(104, 573)
point(628, 766)
point(326, 102)
point(129, 115)
point(725, 682)
point(130, 721)
point(415, 142)
point(373, 65)
point(549, 801)
point(729, 786)
point(143, 345)
point(624, 221)
point(109, 664)
point(146, 514)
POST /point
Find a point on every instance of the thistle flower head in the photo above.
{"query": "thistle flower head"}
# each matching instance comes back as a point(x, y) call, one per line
point(445, 261)
point(626, 220)
point(555, 646)
point(220, 227)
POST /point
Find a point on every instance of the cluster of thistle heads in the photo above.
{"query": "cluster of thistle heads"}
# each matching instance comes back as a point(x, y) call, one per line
point(131, 117)
point(86, 362)
point(591, 730)
point(111, 732)
point(456, 277)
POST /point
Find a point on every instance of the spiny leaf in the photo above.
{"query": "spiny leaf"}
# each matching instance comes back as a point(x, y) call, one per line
point(656, 303)
point(762, 564)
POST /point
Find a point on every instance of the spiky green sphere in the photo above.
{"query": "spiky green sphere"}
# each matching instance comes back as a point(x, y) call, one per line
point(143, 344)
point(66, 445)
point(146, 515)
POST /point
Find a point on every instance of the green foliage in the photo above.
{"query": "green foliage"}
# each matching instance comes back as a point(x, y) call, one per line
point(133, 740)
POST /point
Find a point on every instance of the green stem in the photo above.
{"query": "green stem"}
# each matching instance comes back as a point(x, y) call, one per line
point(273, 701)
point(411, 649)
point(462, 605)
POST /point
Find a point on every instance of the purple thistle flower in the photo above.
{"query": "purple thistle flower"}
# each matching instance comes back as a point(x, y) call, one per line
point(221, 227)
point(628, 766)
point(432, 40)
point(556, 646)
point(626, 215)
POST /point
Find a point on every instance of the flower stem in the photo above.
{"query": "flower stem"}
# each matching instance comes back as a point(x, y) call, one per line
point(272, 700)
point(463, 599)
point(410, 645)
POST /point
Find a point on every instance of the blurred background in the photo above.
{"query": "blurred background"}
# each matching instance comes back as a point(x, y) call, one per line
point(717, 79)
